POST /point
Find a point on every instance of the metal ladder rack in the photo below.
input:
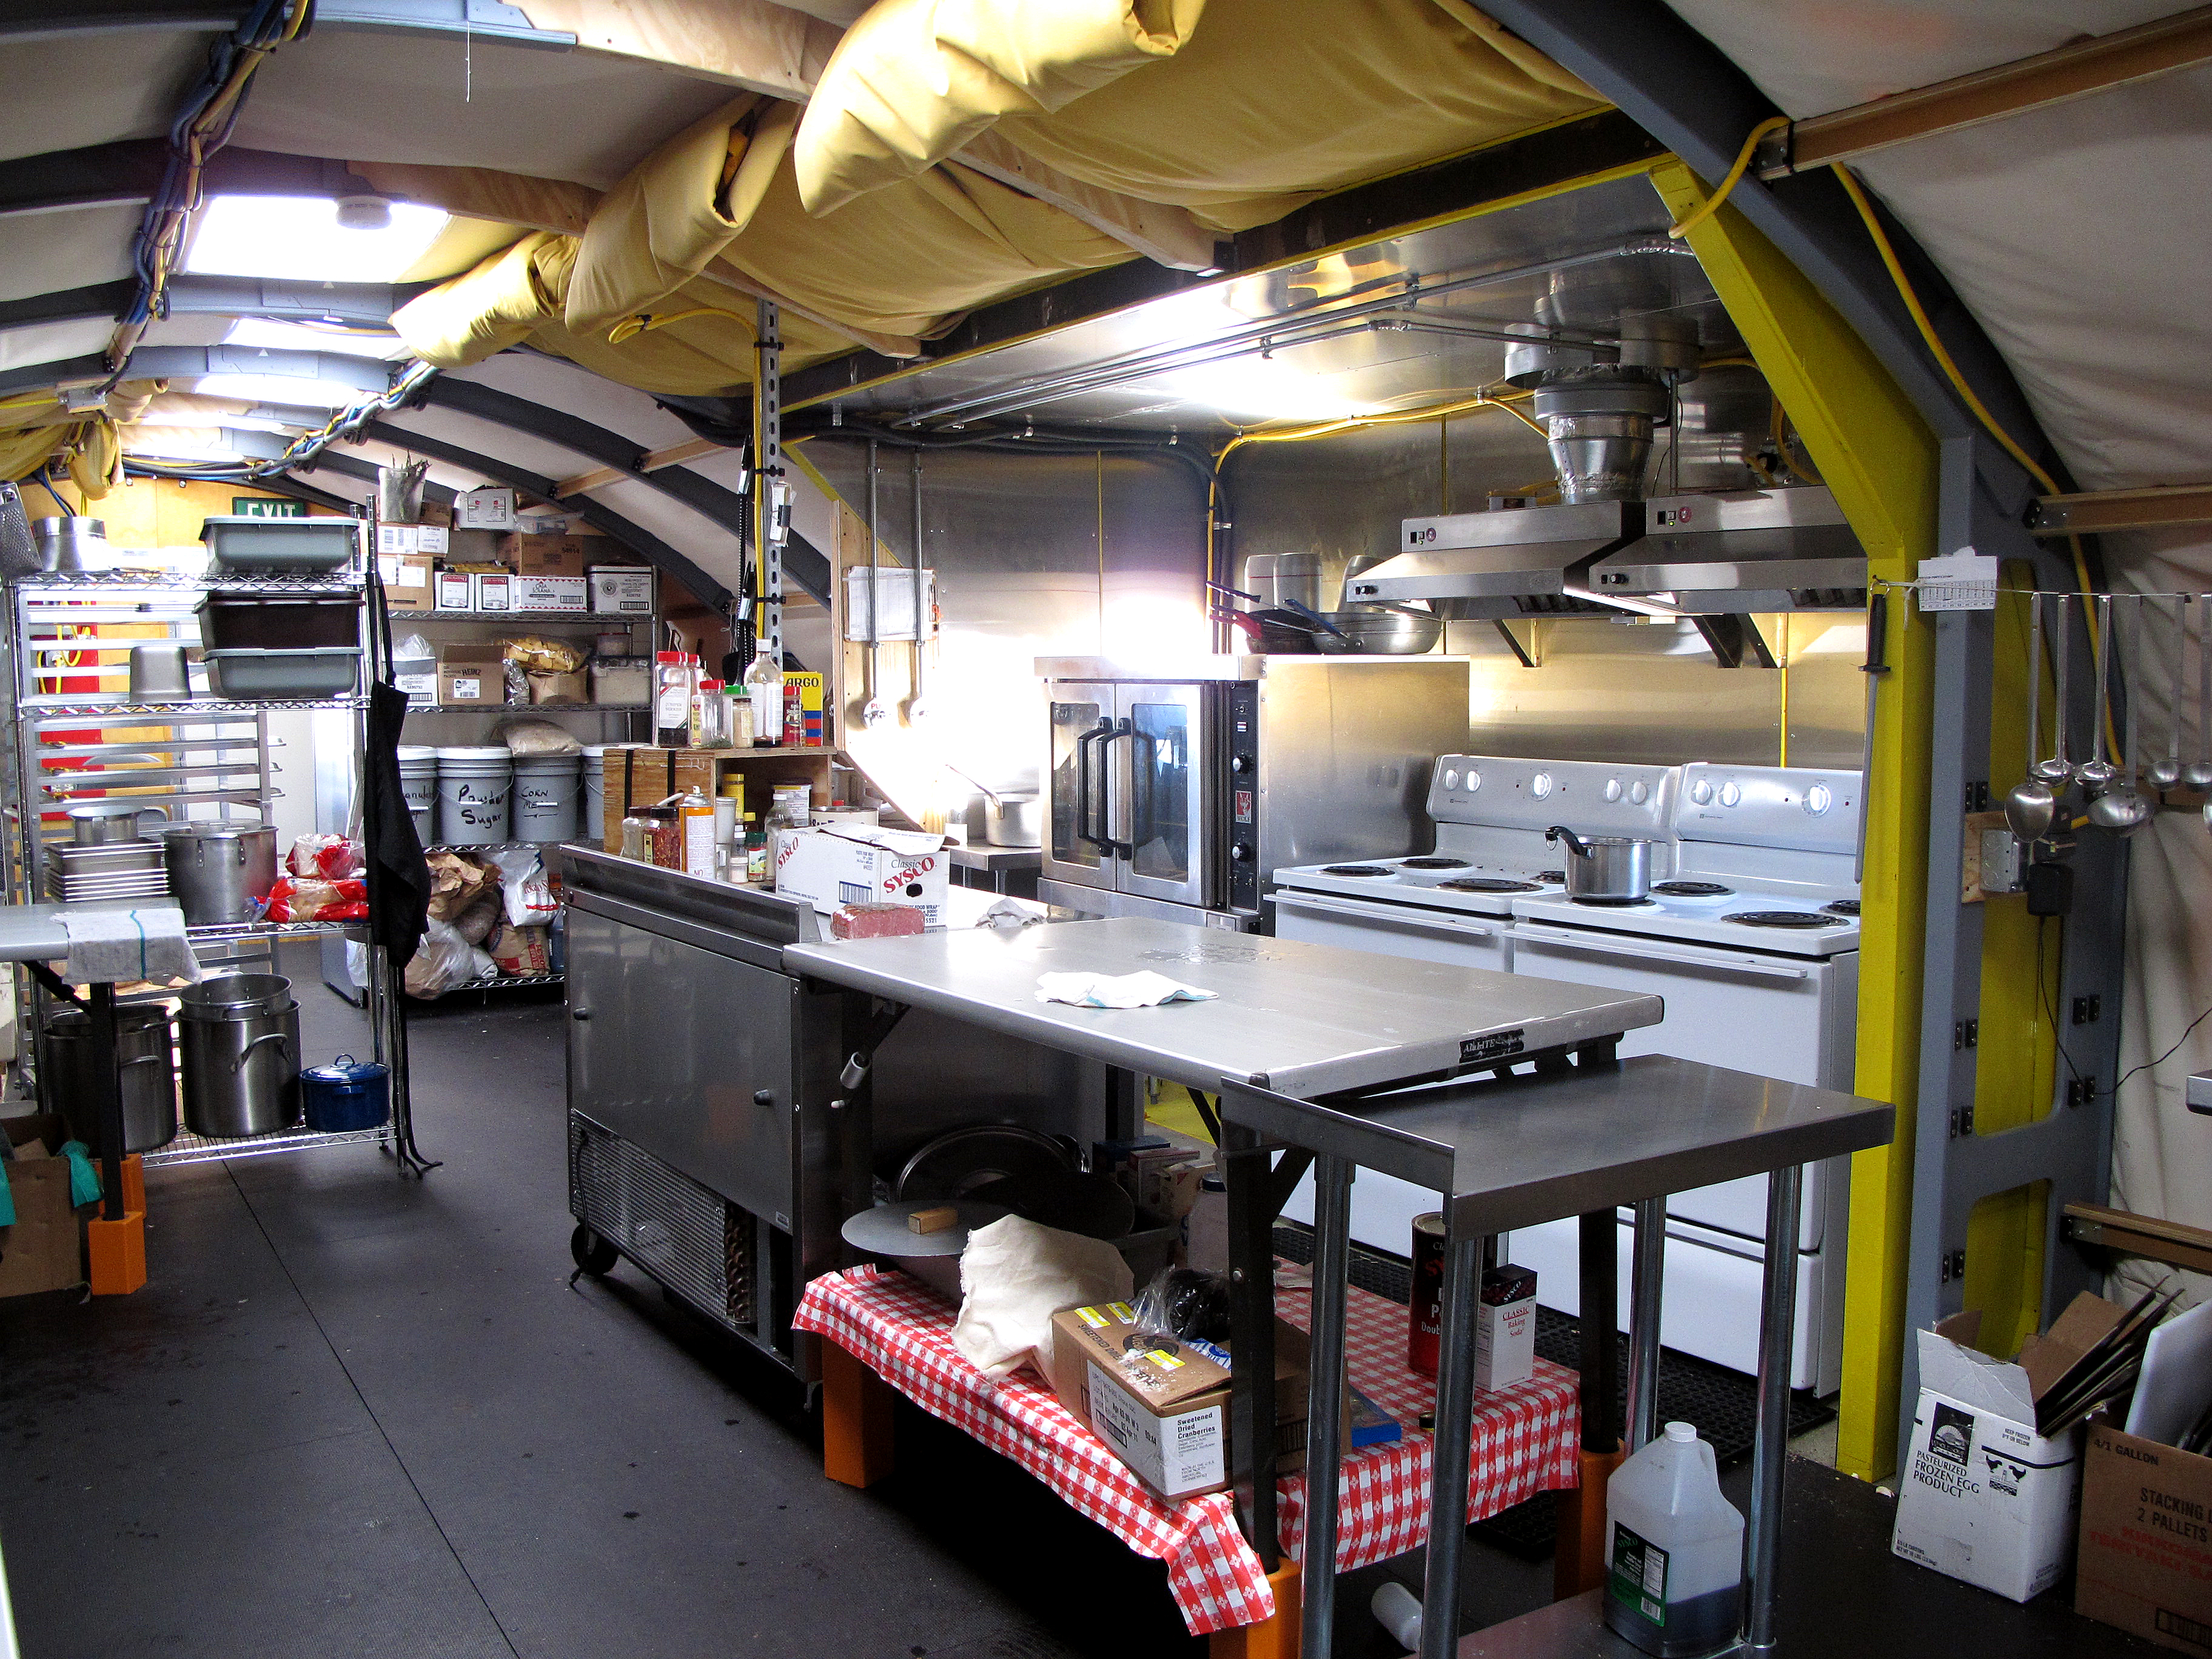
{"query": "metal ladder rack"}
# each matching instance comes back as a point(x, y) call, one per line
point(207, 753)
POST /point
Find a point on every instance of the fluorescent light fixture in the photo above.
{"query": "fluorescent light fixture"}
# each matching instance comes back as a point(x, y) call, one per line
point(277, 389)
point(1256, 388)
point(299, 239)
point(272, 336)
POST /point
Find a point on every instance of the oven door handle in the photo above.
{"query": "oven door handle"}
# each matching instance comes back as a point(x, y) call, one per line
point(1087, 780)
point(1726, 962)
point(1394, 916)
point(1113, 797)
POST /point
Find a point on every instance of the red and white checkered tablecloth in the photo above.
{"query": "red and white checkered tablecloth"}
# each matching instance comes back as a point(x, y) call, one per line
point(1524, 1441)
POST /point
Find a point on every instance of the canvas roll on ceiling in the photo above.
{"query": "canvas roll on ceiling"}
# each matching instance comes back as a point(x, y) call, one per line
point(1270, 103)
point(914, 80)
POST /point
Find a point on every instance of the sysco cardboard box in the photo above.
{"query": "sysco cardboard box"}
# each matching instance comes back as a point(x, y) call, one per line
point(832, 867)
point(1982, 1496)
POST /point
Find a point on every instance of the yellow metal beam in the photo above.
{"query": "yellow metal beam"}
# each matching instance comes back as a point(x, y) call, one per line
point(1880, 459)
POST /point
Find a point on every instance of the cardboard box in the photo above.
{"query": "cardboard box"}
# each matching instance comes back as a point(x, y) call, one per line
point(471, 674)
point(44, 1249)
point(409, 580)
point(859, 866)
point(1505, 1328)
point(491, 590)
point(572, 593)
point(620, 591)
point(454, 591)
point(418, 677)
point(544, 556)
point(397, 540)
point(1982, 1496)
point(2146, 1539)
point(484, 509)
point(560, 688)
point(1162, 1405)
point(811, 690)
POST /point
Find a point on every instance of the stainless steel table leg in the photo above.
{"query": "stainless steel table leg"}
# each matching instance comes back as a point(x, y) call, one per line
point(1325, 1400)
point(1778, 1327)
point(1647, 1272)
point(1449, 1455)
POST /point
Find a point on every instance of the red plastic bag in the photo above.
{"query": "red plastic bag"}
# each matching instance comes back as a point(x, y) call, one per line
point(296, 898)
point(327, 858)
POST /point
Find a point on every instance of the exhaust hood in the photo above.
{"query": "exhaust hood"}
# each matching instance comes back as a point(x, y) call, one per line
point(1717, 555)
point(1518, 562)
point(1750, 550)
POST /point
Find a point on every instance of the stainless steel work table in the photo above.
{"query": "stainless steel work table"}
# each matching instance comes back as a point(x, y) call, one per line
point(33, 934)
point(1518, 1150)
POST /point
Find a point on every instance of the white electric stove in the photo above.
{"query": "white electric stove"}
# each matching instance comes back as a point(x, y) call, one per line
point(1751, 937)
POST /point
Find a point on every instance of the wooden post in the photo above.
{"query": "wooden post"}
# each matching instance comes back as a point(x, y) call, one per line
point(1271, 1639)
point(856, 1420)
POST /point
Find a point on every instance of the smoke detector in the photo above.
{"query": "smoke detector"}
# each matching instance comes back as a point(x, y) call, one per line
point(365, 210)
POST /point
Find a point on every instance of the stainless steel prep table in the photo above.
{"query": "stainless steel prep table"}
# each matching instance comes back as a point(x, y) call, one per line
point(1289, 1017)
point(1517, 1151)
point(33, 934)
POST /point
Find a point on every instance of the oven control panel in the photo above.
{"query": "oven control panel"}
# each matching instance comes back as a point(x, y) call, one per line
point(1241, 792)
point(1795, 808)
point(1593, 797)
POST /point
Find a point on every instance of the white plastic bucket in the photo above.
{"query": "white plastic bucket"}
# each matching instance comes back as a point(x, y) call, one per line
point(547, 792)
point(475, 789)
point(418, 784)
point(594, 816)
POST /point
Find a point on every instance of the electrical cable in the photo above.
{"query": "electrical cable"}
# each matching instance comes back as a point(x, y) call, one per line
point(1705, 210)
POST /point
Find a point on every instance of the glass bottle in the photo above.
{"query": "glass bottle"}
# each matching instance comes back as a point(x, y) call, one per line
point(764, 685)
point(737, 717)
point(695, 813)
point(791, 810)
point(756, 854)
point(671, 699)
point(708, 707)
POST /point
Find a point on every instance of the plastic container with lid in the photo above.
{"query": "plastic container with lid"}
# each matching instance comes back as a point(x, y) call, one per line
point(672, 679)
point(695, 815)
point(1673, 1550)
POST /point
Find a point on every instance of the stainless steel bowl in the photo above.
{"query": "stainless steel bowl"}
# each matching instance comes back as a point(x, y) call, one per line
point(1371, 633)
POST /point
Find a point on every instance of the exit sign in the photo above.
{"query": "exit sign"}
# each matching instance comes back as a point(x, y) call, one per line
point(264, 506)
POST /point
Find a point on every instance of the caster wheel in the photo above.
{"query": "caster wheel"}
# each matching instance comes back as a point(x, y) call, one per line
point(591, 1254)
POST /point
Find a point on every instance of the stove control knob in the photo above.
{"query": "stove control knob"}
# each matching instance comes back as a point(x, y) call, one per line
point(1451, 779)
point(1541, 786)
point(1241, 851)
point(1473, 780)
point(1240, 763)
point(1701, 791)
point(1613, 789)
point(1819, 798)
point(1730, 794)
point(1639, 792)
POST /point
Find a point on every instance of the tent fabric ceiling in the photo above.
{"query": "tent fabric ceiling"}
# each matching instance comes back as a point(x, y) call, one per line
point(2075, 234)
point(51, 252)
point(66, 91)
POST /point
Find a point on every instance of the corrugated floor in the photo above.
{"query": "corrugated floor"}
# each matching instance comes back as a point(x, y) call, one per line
point(359, 1415)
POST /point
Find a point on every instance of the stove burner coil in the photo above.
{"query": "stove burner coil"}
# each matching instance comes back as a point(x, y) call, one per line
point(1843, 908)
point(1353, 870)
point(1610, 903)
point(1486, 885)
point(1432, 864)
point(1692, 889)
point(1798, 919)
point(1557, 878)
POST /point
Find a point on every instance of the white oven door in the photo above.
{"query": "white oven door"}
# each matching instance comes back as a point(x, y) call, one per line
point(1783, 1017)
point(1393, 930)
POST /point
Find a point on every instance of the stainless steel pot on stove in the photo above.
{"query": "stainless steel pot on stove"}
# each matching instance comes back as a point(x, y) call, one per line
point(1604, 866)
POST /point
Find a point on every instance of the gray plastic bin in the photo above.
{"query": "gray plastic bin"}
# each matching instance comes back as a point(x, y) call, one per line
point(284, 676)
point(238, 543)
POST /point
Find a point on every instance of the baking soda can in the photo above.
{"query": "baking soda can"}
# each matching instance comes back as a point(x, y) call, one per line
point(1424, 1328)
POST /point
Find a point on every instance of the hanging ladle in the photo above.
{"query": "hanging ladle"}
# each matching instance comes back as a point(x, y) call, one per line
point(2057, 770)
point(2166, 773)
point(2123, 810)
point(2031, 805)
point(2093, 774)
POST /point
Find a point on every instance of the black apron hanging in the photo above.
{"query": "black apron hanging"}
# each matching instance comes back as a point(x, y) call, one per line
point(398, 880)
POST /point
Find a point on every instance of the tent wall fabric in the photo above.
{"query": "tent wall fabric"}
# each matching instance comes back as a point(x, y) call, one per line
point(914, 80)
point(2066, 231)
point(499, 304)
point(1272, 103)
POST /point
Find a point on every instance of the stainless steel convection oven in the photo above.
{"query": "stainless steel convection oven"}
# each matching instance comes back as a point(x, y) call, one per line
point(1175, 790)
point(725, 1116)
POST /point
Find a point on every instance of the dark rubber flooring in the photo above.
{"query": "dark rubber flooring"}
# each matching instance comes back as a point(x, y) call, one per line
point(363, 1416)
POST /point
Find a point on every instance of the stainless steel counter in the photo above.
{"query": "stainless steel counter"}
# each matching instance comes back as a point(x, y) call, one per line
point(1304, 1019)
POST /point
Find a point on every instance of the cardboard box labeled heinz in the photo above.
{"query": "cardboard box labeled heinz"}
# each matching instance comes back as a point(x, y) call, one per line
point(1982, 1496)
point(839, 866)
point(2147, 1539)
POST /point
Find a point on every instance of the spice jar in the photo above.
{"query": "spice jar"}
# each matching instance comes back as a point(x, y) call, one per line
point(667, 835)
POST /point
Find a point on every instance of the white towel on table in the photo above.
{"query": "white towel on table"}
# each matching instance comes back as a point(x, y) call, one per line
point(109, 947)
point(1138, 990)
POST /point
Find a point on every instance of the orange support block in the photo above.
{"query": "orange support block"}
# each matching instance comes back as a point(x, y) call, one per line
point(856, 1420)
point(118, 1249)
point(1271, 1639)
point(1578, 1563)
point(134, 1183)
